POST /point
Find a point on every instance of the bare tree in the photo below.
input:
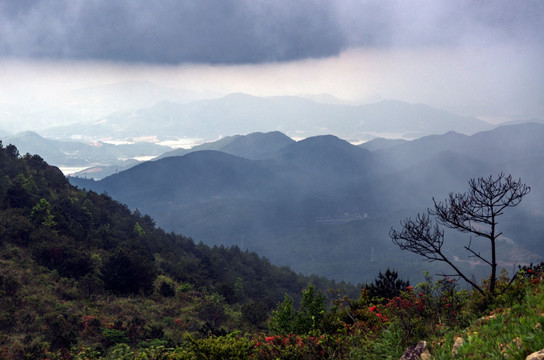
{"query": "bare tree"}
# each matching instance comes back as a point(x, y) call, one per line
point(473, 212)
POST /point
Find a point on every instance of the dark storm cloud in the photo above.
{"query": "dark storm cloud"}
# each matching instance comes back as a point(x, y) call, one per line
point(250, 31)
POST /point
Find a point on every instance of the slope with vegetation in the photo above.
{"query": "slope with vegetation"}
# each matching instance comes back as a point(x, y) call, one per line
point(79, 269)
point(448, 321)
point(83, 277)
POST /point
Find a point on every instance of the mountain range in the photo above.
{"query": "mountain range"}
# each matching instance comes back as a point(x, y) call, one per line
point(297, 117)
point(85, 143)
point(322, 205)
point(97, 158)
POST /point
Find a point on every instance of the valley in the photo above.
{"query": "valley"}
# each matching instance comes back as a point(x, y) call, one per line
point(318, 205)
point(306, 199)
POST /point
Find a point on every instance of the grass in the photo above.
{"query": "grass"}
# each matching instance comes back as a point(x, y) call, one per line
point(511, 333)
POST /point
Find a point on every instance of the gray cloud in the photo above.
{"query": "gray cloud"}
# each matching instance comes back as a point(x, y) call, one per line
point(253, 31)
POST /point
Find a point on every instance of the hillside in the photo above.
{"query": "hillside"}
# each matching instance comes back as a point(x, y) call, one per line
point(253, 146)
point(83, 277)
point(97, 156)
point(322, 205)
point(74, 261)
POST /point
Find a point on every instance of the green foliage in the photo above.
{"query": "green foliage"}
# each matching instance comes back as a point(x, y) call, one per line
point(212, 312)
point(292, 347)
point(513, 333)
point(167, 289)
point(61, 332)
point(389, 345)
point(64, 251)
point(229, 347)
point(307, 318)
point(282, 319)
point(62, 256)
point(387, 285)
point(138, 230)
point(255, 313)
point(311, 312)
point(83, 277)
point(128, 272)
point(114, 337)
point(41, 214)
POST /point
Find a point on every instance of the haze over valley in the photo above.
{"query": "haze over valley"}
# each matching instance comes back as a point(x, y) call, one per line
point(322, 205)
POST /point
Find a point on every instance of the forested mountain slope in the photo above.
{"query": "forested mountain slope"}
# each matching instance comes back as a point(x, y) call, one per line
point(72, 261)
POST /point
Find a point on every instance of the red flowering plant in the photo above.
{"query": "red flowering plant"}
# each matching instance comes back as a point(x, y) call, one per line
point(293, 346)
point(533, 273)
point(428, 306)
point(365, 315)
point(367, 319)
point(411, 312)
point(90, 328)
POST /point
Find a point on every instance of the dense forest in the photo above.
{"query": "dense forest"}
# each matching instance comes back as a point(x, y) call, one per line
point(83, 277)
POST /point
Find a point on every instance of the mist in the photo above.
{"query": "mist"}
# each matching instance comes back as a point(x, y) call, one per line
point(468, 57)
point(494, 84)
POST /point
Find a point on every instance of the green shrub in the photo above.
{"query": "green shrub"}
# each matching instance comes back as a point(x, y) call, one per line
point(230, 347)
point(128, 272)
point(114, 337)
point(307, 318)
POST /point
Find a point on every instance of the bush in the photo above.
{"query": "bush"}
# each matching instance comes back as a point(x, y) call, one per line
point(254, 313)
point(128, 272)
point(307, 318)
point(387, 286)
point(166, 289)
point(114, 337)
point(228, 347)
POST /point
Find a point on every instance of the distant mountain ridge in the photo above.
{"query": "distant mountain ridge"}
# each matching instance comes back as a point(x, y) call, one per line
point(253, 146)
point(503, 144)
point(197, 176)
point(73, 153)
point(321, 204)
point(223, 118)
point(294, 116)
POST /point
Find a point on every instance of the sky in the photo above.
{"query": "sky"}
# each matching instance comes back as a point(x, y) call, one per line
point(477, 58)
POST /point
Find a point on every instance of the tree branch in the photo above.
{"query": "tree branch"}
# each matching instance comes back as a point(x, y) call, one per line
point(473, 212)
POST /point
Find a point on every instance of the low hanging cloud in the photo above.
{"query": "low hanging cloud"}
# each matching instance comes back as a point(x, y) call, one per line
point(253, 31)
